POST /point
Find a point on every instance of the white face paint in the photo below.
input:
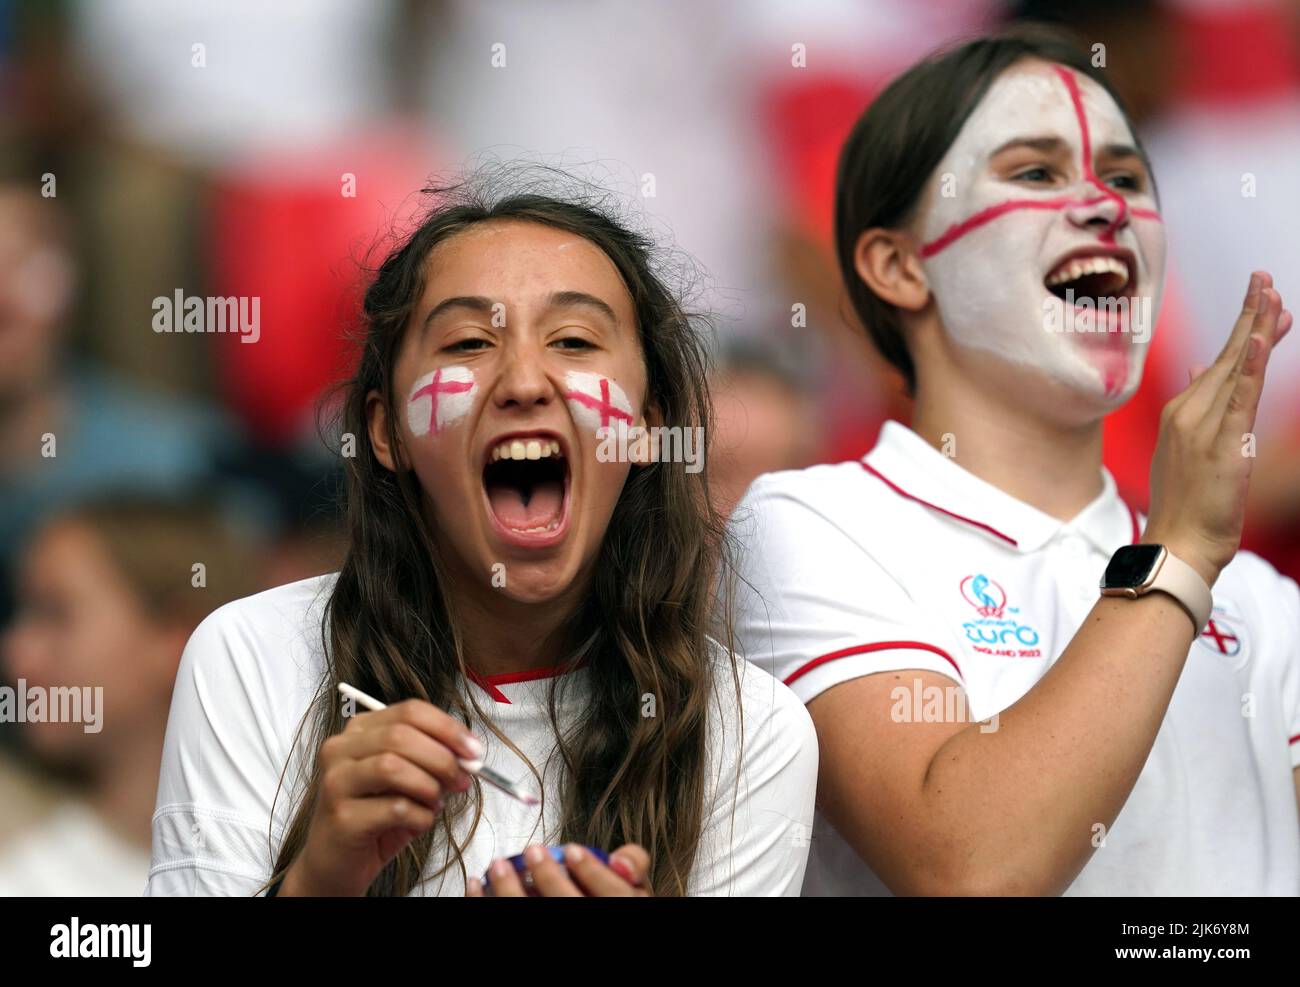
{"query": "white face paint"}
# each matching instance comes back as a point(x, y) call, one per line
point(596, 401)
point(439, 399)
point(991, 235)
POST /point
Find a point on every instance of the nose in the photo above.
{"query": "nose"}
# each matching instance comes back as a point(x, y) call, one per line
point(1100, 212)
point(523, 383)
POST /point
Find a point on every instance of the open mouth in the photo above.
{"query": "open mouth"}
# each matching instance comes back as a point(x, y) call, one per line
point(1099, 278)
point(527, 484)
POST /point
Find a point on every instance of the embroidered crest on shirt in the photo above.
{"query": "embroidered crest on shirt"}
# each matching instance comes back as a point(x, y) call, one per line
point(1224, 636)
point(993, 631)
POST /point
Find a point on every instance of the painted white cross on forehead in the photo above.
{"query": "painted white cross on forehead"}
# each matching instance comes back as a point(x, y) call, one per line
point(958, 229)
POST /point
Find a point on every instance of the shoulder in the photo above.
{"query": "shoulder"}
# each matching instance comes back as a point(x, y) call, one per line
point(823, 487)
point(793, 515)
point(761, 785)
point(270, 642)
point(1267, 603)
point(1249, 569)
point(280, 612)
point(247, 678)
point(1253, 583)
point(756, 716)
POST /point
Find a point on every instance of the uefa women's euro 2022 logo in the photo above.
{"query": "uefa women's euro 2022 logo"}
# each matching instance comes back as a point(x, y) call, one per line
point(993, 632)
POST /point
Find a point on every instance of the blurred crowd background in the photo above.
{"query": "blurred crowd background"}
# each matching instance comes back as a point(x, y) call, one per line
point(154, 146)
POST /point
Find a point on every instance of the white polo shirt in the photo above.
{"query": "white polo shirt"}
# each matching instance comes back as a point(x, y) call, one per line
point(250, 670)
point(904, 560)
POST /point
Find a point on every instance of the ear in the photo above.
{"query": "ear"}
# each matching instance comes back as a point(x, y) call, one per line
point(651, 416)
point(377, 426)
point(888, 263)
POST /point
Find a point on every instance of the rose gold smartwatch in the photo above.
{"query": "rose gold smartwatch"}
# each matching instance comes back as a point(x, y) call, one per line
point(1136, 570)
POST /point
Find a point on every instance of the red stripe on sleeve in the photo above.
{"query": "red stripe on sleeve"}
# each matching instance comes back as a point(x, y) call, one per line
point(862, 649)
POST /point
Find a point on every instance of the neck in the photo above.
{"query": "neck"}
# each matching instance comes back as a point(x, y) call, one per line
point(1053, 467)
point(502, 635)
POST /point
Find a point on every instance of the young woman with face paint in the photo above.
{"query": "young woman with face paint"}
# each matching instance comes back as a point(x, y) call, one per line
point(512, 599)
point(990, 195)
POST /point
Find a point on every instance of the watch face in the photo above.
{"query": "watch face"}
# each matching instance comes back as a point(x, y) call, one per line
point(1130, 566)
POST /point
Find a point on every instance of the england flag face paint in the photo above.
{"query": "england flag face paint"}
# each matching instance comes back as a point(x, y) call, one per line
point(1001, 242)
point(596, 402)
point(440, 399)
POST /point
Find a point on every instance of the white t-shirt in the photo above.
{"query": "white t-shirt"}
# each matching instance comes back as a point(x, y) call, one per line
point(72, 854)
point(248, 675)
point(904, 560)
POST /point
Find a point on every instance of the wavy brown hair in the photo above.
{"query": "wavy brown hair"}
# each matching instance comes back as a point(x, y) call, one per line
point(643, 626)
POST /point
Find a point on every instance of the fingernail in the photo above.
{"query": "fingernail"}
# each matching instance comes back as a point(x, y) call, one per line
point(573, 853)
point(623, 867)
point(533, 856)
point(475, 746)
point(437, 806)
point(500, 868)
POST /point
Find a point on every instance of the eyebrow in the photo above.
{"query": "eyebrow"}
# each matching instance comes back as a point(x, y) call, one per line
point(475, 303)
point(1124, 151)
point(1055, 144)
point(570, 299)
point(1035, 143)
point(483, 306)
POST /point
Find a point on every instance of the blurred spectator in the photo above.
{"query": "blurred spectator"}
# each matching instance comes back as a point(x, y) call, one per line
point(110, 592)
point(764, 420)
point(68, 430)
point(25, 795)
point(822, 65)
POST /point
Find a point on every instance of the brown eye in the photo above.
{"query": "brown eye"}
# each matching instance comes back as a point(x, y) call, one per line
point(467, 345)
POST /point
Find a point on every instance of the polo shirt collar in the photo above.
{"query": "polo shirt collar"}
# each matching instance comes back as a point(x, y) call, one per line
point(913, 468)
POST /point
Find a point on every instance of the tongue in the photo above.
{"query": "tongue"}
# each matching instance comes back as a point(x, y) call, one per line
point(543, 505)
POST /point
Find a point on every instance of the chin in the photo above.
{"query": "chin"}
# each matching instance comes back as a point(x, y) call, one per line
point(1082, 393)
point(536, 584)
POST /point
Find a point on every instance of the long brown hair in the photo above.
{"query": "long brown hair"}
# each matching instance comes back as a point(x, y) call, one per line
point(645, 622)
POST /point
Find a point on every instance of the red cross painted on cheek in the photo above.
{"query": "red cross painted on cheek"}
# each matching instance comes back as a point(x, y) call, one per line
point(602, 403)
point(437, 386)
point(960, 229)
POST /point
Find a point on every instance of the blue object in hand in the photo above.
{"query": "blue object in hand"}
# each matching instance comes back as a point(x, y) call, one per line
point(557, 854)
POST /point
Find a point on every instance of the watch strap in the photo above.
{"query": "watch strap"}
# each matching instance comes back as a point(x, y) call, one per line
point(1184, 584)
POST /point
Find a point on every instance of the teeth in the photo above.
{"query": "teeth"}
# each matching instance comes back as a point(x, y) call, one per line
point(540, 529)
point(1081, 266)
point(526, 449)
